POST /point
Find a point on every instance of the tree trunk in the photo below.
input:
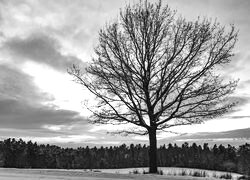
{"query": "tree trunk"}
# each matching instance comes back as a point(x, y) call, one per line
point(152, 151)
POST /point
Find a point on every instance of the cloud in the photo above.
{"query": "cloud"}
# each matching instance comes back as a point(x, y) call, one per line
point(226, 12)
point(239, 66)
point(241, 100)
point(239, 117)
point(237, 133)
point(22, 105)
point(15, 84)
point(73, 24)
point(241, 104)
point(21, 115)
point(244, 86)
point(42, 49)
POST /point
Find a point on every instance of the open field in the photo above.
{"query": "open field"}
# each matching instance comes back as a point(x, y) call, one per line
point(58, 174)
point(174, 171)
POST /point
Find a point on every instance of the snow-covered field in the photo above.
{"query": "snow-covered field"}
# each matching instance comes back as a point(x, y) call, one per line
point(103, 174)
point(174, 171)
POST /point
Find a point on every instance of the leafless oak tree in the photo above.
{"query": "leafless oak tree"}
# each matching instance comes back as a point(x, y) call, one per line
point(157, 71)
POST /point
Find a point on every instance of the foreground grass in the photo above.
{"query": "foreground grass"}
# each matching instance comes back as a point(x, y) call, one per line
point(173, 171)
point(111, 174)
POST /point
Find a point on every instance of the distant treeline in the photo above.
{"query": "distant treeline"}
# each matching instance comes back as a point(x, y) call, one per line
point(20, 154)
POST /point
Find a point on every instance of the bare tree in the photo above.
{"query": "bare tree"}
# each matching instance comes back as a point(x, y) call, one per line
point(156, 71)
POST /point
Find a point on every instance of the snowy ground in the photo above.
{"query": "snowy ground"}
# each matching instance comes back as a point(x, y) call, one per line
point(174, 171)
point(103, 174)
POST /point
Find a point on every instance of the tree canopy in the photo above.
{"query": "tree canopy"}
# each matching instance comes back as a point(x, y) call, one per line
point(151, 65)
point(156, 70)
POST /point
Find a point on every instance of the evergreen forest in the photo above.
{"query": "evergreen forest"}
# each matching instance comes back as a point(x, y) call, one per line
point(20, 154)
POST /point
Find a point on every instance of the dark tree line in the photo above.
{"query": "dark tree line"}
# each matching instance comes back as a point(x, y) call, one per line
point(20, 154)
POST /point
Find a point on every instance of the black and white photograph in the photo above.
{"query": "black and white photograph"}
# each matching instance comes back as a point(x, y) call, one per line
point(124, 89)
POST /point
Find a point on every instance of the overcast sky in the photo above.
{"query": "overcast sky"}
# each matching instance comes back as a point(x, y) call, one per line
point(40, 39)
